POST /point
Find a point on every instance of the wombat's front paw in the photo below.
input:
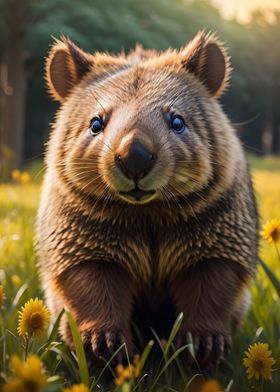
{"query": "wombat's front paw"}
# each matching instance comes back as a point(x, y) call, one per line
point(210, 348)
point(101, 344)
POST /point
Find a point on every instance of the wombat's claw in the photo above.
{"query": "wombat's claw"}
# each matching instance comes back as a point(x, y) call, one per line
point(208, 347)
point(101, 345)
point(105, 344)
point(211, 349)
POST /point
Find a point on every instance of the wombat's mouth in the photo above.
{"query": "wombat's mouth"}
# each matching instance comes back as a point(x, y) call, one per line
point(137, 195)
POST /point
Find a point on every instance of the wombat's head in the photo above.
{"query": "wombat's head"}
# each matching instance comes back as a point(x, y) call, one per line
point(142, 127)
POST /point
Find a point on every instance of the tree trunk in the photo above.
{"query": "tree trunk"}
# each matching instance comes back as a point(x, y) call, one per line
point(276, 123)
point(276, 138)
point(267, 135)
point(13, 81)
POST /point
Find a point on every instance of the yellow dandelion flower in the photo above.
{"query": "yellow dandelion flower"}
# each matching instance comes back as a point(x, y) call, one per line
point(123, 374)
point(258, 361)
point(136, 367)
point(33, 319)
point(129, 372)
point(15, 385)
point(25, 178)
point(15, 175)
point(29, 375)
point(211, 386)
point(271, 231)
point(77, 388)
point(1, 295)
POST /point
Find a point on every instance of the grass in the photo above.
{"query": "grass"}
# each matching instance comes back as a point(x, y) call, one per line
point(18, 274)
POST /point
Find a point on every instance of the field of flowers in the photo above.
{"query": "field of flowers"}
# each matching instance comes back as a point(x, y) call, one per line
point(33, 359)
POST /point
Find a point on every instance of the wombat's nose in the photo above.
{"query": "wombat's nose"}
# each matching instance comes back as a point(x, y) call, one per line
point(136, 162)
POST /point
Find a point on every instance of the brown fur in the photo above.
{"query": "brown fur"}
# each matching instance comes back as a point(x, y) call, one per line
point(192, 242)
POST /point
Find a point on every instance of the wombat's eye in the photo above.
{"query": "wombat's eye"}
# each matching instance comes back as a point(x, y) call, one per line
point(96, 126)
point(177, 124)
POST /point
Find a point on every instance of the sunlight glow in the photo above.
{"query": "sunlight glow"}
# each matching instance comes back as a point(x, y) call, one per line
point(241, 9)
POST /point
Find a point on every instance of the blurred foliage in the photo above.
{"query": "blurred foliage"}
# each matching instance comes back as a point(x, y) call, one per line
point(115, 25)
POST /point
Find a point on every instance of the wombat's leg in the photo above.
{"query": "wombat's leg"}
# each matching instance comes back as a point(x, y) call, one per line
point(241, 308)
point(99, 295)
point(207, 294)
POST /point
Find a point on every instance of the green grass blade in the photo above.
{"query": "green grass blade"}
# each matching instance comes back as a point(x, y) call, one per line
point(191, 345)
point(230, 384)
point(146, 353)
point(19, 300)
point(197, 375)
point(44, 350)
point(20, 297)
point(68, 359)
point(173, 333)
point(272, 277)
point(55, 328)
point(80, 352)
point(95, 382)
point(168, 363)
point(136, 388)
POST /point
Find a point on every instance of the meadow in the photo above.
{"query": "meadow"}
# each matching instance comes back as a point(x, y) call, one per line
point(60, 368)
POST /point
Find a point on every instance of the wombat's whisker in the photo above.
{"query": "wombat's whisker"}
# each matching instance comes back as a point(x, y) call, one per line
point(165, 198)
point(185, 198)
point(90, 182)
point(105, 144)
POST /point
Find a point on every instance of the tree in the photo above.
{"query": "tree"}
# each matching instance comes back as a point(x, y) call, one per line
point(17, 17)
point(13, 77)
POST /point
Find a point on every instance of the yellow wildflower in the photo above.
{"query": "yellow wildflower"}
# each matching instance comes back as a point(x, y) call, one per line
point(129, 372)
point(211, 386)
point(123, 374)
point(77, 388)
point(136, 367)
point(15, 385)
point(258, 361)
point(33, 319)
point(29, 375)
point(25, 178)
point(16, 280)
point(271, 231)
point(1, 295)
point(15, 175)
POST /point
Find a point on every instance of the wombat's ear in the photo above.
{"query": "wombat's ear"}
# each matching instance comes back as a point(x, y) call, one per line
point(66, 64)
point(206, 57)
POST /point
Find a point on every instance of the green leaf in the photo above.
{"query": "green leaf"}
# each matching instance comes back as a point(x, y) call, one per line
point(146, 353)
point(272, 277)
point(173, 333)
point(55, 328)
point(19, 300)
point(67, 358)
point(79, 349)
point(95, 382)
point(197, 375)
point(43, 351)
point(168, 363)
point(191, 345)
point(230, 384)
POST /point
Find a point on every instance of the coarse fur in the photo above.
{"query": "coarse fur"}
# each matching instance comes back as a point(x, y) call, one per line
point(190, 243)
